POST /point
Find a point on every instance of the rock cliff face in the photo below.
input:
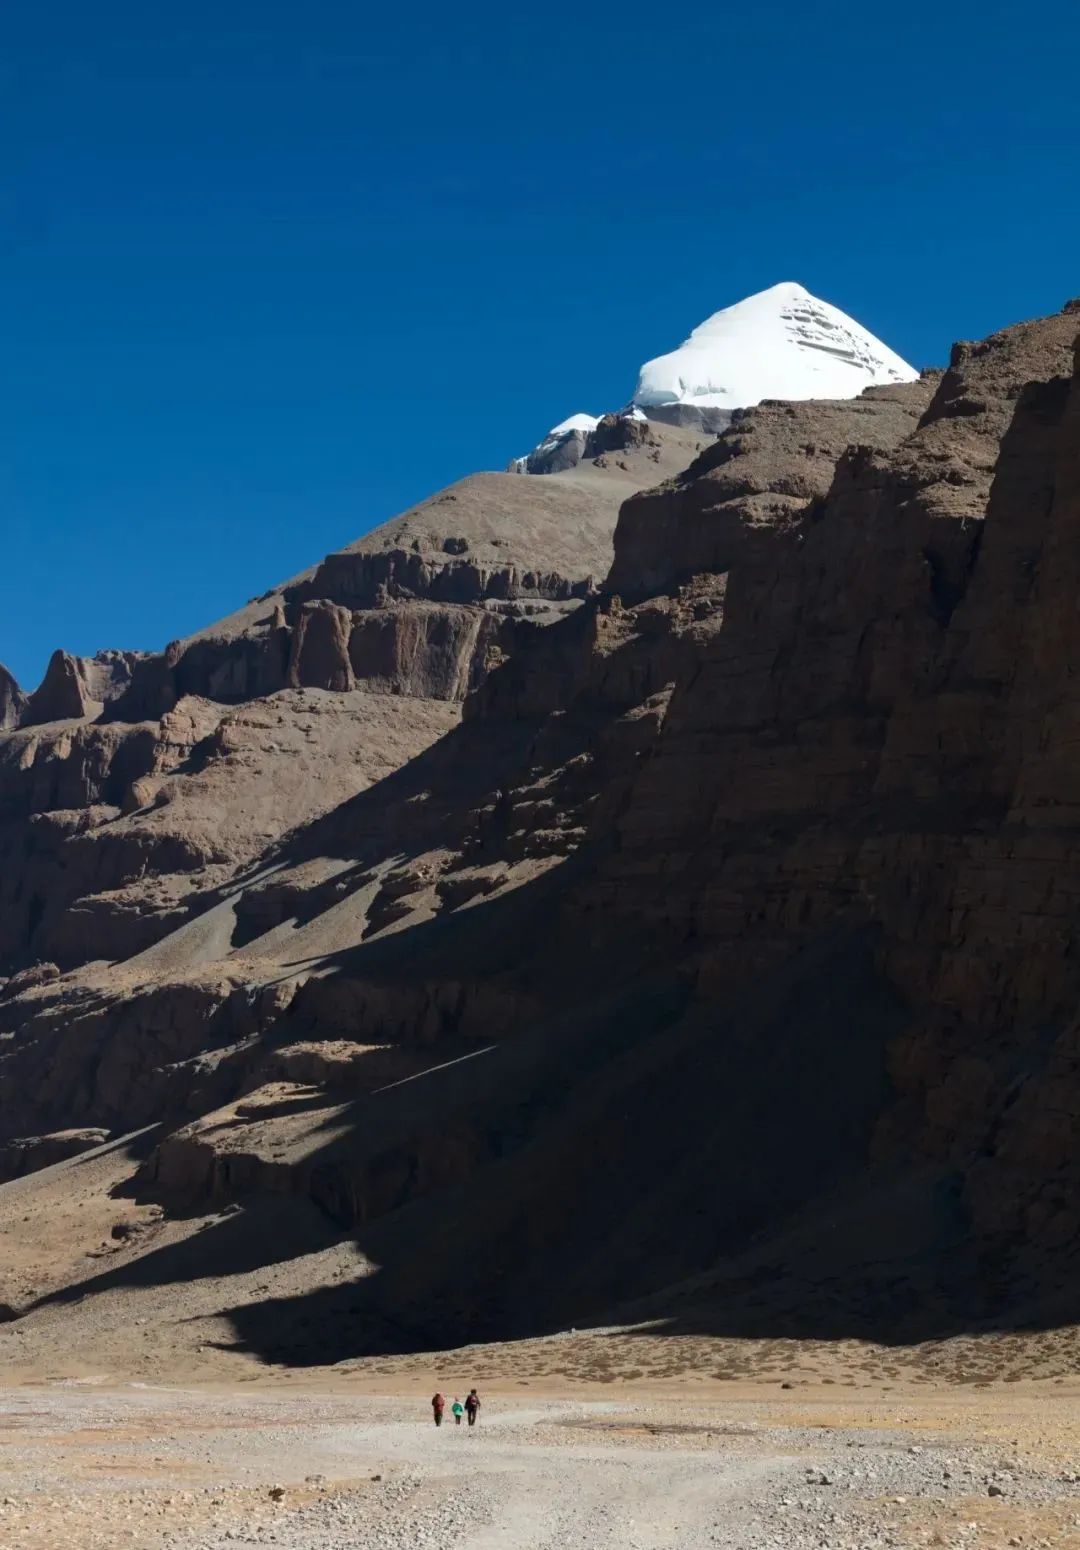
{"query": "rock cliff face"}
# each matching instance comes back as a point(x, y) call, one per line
point(76, 687)
point(134, 792)
point(107, 832)
point(743, 891)
point(750, 483)
point(12, 700)
point(62, 695)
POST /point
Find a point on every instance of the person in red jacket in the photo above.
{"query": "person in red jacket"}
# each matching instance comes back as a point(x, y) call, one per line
point(472, 1405)
point(438, 1405)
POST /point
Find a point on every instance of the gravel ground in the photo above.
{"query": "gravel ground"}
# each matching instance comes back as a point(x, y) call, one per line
point(154, 1468)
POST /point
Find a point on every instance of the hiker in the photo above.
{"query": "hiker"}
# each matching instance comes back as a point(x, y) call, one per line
point(472, 1405)
point(457, 1409)
point(438, 1405)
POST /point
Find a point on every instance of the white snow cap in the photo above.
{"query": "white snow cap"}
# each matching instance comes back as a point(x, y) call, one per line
point(779, 343)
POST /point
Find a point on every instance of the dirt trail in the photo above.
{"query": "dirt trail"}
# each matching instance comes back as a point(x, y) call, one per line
point(93, 1468)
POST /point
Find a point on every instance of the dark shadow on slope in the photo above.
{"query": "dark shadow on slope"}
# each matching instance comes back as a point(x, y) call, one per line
point(708, 1172)
point(642, 1147)
point(424, 802)
point(492, 936)
point(434, 800)
point(638, 1159)
point(236, 1242)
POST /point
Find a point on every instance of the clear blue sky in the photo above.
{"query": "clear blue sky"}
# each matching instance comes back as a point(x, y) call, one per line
point(271, 272)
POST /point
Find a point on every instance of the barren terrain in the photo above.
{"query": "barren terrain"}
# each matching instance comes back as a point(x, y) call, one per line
point(93, 1465)
point(138, 1412)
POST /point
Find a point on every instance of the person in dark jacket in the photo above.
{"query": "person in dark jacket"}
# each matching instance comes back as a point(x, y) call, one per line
point(472, 1405)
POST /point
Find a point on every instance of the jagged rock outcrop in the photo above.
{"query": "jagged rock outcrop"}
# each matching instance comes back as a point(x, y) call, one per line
point(26, 1154)
point(72, 689)
point(12, 700)
point(230, 669)
point(108, 673)
point(62, 695)
point(503, 548)
point(554, 455)
point(620, 433)
point(320, 648)
point(760, 475)
point(585, 438)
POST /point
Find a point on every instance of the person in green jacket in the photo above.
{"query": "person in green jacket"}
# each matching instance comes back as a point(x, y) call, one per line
point(457, 1410)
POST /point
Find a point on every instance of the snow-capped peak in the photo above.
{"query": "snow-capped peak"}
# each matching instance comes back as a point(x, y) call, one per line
point(779, 343)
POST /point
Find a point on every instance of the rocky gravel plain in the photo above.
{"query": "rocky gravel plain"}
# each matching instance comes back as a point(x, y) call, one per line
point(168, 1469)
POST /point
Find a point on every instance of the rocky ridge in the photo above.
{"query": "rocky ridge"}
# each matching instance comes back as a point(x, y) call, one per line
point(136, 781)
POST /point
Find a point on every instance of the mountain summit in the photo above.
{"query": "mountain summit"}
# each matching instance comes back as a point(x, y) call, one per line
point(779, 343)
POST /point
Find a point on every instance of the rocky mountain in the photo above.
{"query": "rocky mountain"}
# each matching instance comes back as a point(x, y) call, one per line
point(702, 930)
point(136, 780)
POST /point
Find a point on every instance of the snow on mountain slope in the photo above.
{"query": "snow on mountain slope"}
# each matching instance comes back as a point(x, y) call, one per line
point(576, 422)
point(580, 424)
point(779, 343)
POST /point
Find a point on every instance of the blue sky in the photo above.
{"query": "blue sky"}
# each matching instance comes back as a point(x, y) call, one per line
point(272, 272)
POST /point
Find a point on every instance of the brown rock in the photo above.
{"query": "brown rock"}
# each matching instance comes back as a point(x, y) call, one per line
point(26, 1154)
point(12, 701)
point(761, 474)
point(108, 674)
point(320, 648)
point(62, 695)
point(620, 432)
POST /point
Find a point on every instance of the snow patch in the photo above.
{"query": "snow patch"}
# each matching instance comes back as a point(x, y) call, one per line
point(574, 422)
point(582, 424)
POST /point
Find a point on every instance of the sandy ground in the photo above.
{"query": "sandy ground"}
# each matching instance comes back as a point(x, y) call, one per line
point(90, 1466)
